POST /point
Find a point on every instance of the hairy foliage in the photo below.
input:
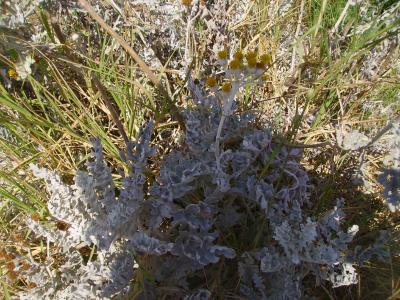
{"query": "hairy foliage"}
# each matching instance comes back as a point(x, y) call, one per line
point(231, 205)
point(390, 177)
point(202, 210)
point(230, 210)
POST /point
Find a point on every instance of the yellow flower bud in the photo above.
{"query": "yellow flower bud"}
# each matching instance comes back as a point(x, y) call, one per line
point(266, 59)
point(223, 54)
point(12, 73)
point(238, 55)
point(211, 82)
point(235, 64)
point(226, 87)
point(252, 62)
point(252, 55)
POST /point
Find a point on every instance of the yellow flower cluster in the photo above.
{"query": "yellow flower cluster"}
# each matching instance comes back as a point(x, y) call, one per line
point(211, 82)
point(240, 60)
point(251, 57)
point(261, 63)
point(12, 74)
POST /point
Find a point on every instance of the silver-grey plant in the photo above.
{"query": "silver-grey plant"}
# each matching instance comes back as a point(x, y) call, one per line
point(230, 202)
point(390, 176)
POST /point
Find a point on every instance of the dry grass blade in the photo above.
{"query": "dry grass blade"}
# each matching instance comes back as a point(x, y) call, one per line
point(96, 82)
point(104, 93)
point(124, 44)
point(153, 78)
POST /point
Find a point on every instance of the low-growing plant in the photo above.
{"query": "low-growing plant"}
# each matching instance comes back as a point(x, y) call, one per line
point(228, 213)
point(244, 195)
